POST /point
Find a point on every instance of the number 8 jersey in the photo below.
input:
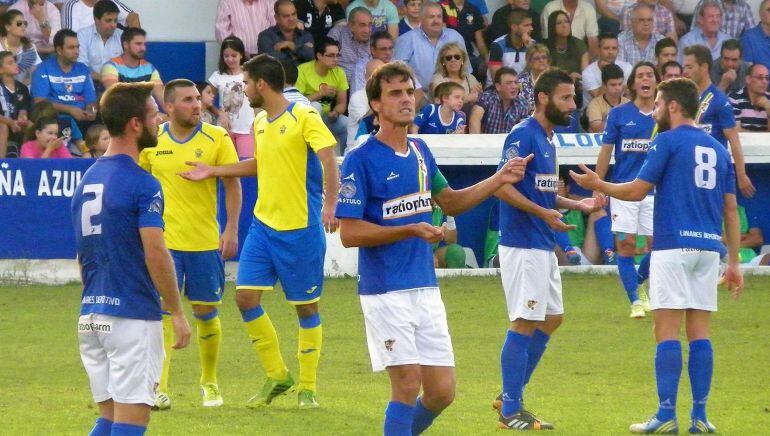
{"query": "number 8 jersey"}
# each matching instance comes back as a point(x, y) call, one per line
point(692, 172)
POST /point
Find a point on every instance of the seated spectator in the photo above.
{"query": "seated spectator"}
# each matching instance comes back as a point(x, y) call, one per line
point(637, 44)
point(13, 33)
point(353, 40)
point(77, 14)
point(447, 253)
point(729, 72)
point(665, 51)
point(467, 20)
point(43, 21)
point(358, 106)
point(235, 112)
point(662, 19)
point(538, 60)
point(670, 70)
point(97, 141)
point(613, 82)
point(244, 19)
point(319, 16)
point(368, 126)
point(15, 103)
point(500, 24)
point(325, 85)
point(5, 4)
point(751, 239)
point(444, 118)
point(752, 103)
point(384, 14)
point(380, 47)
point(46, 142)
point(500, 108)
point(756, 41)
point(208, 94)
point(708, 33)
point(567, 52)
point(100, 41)
point(737, 16)
point(285, 41)
point(582, 17)
point(411, 19)
point(451, 66)
point(592, 75)
point(510, 49)
point(131, 66)
point(289, 90)
point(68, 128)
point(611, 14)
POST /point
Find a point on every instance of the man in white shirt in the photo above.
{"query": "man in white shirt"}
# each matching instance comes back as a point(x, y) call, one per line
point(100, 41)
point(77, 14)
point(592, 75)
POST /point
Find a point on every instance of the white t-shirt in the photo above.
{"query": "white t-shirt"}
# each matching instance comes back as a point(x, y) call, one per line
point(77, 15)
point(233, 100)
point(592, 78)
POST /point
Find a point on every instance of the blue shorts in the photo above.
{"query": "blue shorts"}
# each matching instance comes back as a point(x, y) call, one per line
point(200, 275)
point(295, 257)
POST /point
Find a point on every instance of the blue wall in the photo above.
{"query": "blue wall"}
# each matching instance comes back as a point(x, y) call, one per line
point(175, 60)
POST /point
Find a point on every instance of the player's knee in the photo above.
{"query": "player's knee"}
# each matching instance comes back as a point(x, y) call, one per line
point(407, 385)
point(627, 245)
point(439, 397)
point(246, 300)
point(306, 310)
point(203, 309)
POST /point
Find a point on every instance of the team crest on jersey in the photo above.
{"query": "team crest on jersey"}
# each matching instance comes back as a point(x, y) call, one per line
point(513, 151)
point(531, 304)
point(282, 129)
point(156, 206)
point(546, 182)
point(68, 87)
point(348, 190)
point(198, 153)
point(469, 19)
point(408, 205)
point(389, 344)
point(635, 145)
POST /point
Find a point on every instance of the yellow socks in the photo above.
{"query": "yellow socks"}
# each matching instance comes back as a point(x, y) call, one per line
point(309, 351)
point(168, 341)
point(265, 341)
point(209, 338)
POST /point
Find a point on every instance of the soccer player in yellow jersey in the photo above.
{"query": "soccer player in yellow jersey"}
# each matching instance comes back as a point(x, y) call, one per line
point(297, 177)
point(192, 230)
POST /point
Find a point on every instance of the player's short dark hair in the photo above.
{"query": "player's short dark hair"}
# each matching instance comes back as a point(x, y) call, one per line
point(233, 43)
point(170, 89)
point(502, 71)
point(267, 68)
point(290, 70)
point(517, 16)
point(549, 80)
point(322, 43)
point(731, 44)
point(122, 102)
point(683, 91)
point(605, 36)
point(105, 7)
point(61, 35)
point(664, 43)
point(386, 72)
point(701, 53)
point(670, 64)
point(130, 33)
point(278, 4)
point(378, 35)
point(445, 89)
point(611, 72)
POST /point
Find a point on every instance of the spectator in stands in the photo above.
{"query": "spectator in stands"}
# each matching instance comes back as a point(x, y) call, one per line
point(100, 41)
point(353, 40)
point(46, 142)
point(384, 14)
point(538, 60)
point(235, 112)
point(358, 106)
point(445, 117)
point(751, 104)
point(592, 75)
point(756, 41)
point(131, 65)
point(729, 71)
point(419, 47)
point(467, 20)
point(68, 128)
point(567, 52)
point(285, 41)
point(13, 33)
point(510, 50)
point(208, 94)
point(500, 108)
point(380, 47)
point(447, 253)
point(245, 19)
point(43, 21)
point(611, 13)
point(501, 21)
point(751, 239)
point(613, 83)
point(708, 33)
point(665, 51)
point(77, 14)
point(637, 44)
point(289, 90)
point(411, 19)
point(5, 4)
point(582, 17)
point(97, 141)
point(662, 19)
point(15, 106)
point(670, 70)
point(451, 66)
point(737, 16)
point(319, 16)
point(323, 82)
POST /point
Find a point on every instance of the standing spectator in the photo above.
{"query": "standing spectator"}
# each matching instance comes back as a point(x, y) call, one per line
point(729, 71)
point(411, 19)
point(737, 16)
point(499, 109)
point(592, 75)
point(510, 50)
point(431, 119)
point(752, 103)
point(665, 51)
point(291, 93)
point(131, 65)
point(100, 41)
point(708, 32)
point(670, 70)
point(638, 43)
point(384, 14)
point(319, 16)
point(15, 103)
point(77, 14)
point(613, 82)
point(451, 67)
point(500, 21)
point(43, 21)
point(582, 17)
point(662, 19)
point(235, 112)
point(610, 14)
point(419, 47)
point(245, 19)
point(756, 41)
point(467, 20)
point(13, 38)
point(285, 41)
point(46, 142)
point(380, 47)
point(567, 52)
point(353, 40)
point(538, 60)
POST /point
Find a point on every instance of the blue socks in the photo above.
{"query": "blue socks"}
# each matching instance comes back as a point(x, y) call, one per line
point(123, 429)
point(701, 368)
point(398, 419)
point(627, 272)
point(513, 361)
point(423, 418)
point(644, 269)
point(604, 236)
point(535, 352)
point(668, 369)
point(102, 427)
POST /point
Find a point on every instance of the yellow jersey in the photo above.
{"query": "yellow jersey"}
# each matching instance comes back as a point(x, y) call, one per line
point(191, 207)
point(289, 174)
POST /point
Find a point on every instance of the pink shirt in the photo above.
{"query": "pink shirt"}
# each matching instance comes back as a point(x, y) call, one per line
point(30, 150)
point(34, 33)
point(244, 19)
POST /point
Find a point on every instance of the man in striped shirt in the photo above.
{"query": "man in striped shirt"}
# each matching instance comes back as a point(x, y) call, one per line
point(245, 19)
point(752, 103)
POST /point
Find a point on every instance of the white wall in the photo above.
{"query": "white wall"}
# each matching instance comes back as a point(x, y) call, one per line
point(177, 20)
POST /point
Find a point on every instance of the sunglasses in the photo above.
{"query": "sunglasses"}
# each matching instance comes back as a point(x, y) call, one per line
point(21, 23)
point(455, 57)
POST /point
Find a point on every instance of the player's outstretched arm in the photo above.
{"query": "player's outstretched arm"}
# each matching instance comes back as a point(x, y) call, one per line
point(160, 265)
point(201, 171)
point(331, 188)
point(733, 275)
point(552, 217)
point(360, 233)
point(635, 190)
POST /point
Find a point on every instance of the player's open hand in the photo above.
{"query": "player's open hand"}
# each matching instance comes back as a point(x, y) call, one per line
point(427, 232)
point(331, 223)
point(513, 170)
point(182, 331)
point(228, 243)
point(200, 171)
point(592, 204)
point(553, 217)
point(588, 180)
point(734, 280)
point(747, 188)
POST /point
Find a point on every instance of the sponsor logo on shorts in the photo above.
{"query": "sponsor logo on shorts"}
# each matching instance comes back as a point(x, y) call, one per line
point(389, 344)
point(408, 205)
point(95, 326)
point(635, 145)
point(546, 182)
point(531, 304)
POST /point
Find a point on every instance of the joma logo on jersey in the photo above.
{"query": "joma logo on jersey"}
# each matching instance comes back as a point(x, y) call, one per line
point(546, 182)
point(407, 205)
point(163, 152)
point(635, 145)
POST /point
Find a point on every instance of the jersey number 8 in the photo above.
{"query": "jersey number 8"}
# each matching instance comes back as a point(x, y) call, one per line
point(705, 172)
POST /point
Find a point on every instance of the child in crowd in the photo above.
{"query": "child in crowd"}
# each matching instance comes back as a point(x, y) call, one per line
point(46, 143)
point(14, 106)
point(411, 19)
point(208, 110)
point(431, 119)
point(68, 128)
point(97, 141)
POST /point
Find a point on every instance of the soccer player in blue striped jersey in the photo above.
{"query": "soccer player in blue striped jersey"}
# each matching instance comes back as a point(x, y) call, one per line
point(117, 213)
point(628, 132)
point(384, 207)
point(695, 194)
point(715, 114)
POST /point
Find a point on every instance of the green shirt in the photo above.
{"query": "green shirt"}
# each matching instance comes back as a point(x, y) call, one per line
point(309, 82)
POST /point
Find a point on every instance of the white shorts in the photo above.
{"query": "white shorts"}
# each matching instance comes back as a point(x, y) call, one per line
point(633, 217)
point(684, 279)
point(532, 283)
point(123, 357)
point(407, 328)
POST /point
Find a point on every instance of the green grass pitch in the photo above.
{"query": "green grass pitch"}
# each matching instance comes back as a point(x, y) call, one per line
point(595, 378)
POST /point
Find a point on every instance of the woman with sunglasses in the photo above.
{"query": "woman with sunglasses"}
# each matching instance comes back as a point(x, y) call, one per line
point(538, 60)
point(567, 52)
point(451, 65)
point(43, 21)
point(13, 38)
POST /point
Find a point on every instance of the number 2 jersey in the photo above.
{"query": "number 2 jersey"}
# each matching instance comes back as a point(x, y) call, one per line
point(692, 172)
point(387, 188)
point(116, 198)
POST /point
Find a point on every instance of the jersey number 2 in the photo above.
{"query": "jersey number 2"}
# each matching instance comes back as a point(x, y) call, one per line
point(90, 209)
point(705, 172)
